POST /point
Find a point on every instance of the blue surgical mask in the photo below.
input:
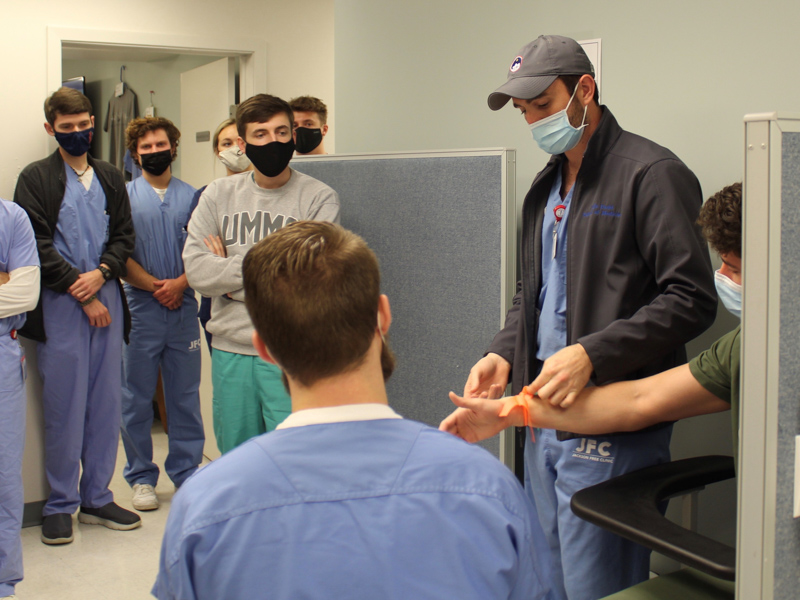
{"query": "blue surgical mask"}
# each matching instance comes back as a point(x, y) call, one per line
point(730, 293)
point(75, 143)
point(555, 134)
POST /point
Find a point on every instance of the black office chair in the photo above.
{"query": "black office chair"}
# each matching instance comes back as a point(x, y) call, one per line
point(629, 506)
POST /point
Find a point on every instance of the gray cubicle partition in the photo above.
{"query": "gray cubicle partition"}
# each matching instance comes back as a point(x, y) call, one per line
point(443, 227)
point(769, 536)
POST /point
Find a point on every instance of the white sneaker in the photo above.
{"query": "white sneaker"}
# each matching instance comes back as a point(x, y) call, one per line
point(144, 497)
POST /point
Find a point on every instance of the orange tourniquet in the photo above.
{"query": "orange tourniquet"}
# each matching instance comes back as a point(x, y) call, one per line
point(520, 400)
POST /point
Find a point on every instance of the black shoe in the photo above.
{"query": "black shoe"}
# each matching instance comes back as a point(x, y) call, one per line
point(57, 529)
point(111, 516)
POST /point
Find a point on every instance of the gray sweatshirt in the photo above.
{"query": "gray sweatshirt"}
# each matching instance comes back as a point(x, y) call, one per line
point(242, 213)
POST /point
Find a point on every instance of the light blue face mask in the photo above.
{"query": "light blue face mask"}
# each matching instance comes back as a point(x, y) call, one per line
point(730, 293)
point(555, 134)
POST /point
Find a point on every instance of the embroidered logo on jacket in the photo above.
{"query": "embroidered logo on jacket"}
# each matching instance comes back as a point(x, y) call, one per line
point(602, 210)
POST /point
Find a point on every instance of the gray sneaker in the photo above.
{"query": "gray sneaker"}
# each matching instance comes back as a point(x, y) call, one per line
point(144, 497)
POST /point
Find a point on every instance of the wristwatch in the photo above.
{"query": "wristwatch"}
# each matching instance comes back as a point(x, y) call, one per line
point(105, 272)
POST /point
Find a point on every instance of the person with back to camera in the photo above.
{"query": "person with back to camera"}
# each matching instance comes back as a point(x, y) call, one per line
point(615, 280)
point(226, 148)
point(345, 499)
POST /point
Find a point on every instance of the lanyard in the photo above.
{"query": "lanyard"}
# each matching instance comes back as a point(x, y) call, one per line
point(558, 212)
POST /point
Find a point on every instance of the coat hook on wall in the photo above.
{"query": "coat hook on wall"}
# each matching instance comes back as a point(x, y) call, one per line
point(120, 87)
point(150, 111)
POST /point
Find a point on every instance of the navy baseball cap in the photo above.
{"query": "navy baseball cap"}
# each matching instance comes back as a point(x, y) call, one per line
point(538, 65)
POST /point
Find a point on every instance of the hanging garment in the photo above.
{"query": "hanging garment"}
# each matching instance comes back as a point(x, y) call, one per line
point(121, 111)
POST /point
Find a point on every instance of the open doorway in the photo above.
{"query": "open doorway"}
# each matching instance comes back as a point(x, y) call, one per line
point(152, 79)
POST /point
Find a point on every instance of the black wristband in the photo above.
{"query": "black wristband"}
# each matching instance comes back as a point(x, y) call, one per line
point(104, 272)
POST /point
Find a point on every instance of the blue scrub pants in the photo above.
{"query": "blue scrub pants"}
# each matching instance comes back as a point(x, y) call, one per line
point(80, 366)
point(169, 339)
point(12, 444)
point(588, 562)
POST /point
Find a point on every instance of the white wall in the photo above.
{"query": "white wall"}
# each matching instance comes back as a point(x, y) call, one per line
point(300, 53)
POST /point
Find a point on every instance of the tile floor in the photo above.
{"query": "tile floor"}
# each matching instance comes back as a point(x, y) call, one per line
point(101, 564)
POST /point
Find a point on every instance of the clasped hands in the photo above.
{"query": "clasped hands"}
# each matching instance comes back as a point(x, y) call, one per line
point(86, 287)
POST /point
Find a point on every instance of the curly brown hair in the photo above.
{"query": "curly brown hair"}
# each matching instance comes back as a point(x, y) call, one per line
point(721, 220)
point(143, 125)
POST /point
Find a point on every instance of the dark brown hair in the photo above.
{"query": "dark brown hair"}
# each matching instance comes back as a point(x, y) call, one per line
point(310, 104)
point(312, 291)
point(721, 220)
point(65, 101)
point(572, 80)
point(260, 109)
point(144, 125)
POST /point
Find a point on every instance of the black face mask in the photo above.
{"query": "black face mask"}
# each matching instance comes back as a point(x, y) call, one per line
point(156, 163)
point(307, 139)
point(270, 159)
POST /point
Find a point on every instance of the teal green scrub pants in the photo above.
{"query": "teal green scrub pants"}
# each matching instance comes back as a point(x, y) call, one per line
point(249, 398)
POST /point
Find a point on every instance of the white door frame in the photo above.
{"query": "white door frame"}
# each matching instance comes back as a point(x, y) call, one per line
point(252, 52)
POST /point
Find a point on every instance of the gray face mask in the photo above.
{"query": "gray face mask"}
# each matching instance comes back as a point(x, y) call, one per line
point(234, 159)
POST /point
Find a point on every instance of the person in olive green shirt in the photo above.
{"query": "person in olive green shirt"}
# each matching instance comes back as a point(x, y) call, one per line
point(707, 384)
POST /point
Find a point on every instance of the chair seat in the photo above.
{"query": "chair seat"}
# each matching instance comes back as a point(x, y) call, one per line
point(686, 584)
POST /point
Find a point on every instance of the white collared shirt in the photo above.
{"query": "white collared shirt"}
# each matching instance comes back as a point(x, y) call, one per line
point(338, 414)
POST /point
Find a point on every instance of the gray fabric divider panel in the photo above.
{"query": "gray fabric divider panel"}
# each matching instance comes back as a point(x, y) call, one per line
point(435, 224)
point(787, 529)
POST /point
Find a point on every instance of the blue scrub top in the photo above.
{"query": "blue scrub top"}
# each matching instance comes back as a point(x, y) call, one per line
point(17, 250)
point(82, 229)
point(160, 226)
point(552, 334)
point(388, 509)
